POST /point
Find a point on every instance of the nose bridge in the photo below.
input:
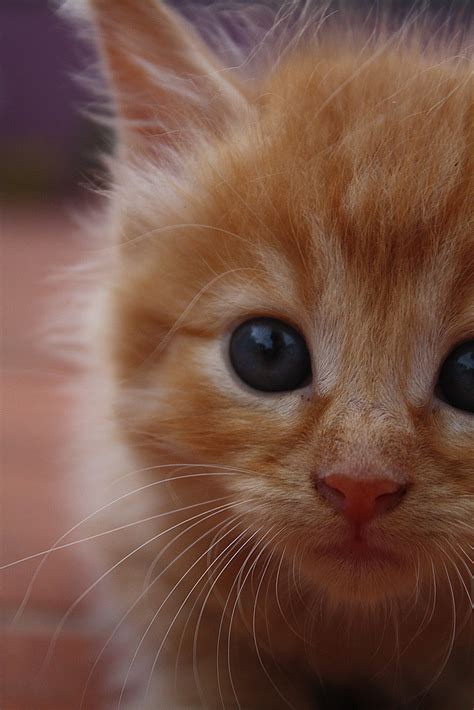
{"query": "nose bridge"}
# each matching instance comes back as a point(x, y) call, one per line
point(365, 436)
point(367, 420)
point(372, 382)
point(374, 357)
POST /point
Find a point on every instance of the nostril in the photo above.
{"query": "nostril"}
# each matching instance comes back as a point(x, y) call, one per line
point(331, 494)
point(388, 501)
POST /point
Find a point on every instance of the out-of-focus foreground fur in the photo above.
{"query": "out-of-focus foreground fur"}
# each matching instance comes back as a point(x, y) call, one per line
point(334, 190)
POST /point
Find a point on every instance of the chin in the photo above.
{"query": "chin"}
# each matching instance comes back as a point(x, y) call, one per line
point(358, 574)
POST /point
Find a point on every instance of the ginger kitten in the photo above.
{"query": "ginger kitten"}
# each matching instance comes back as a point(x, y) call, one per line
point(285, 348)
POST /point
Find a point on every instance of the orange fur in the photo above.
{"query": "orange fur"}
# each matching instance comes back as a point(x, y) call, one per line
point(335, 192)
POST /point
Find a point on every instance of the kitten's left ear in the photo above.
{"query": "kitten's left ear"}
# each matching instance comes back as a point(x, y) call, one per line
point(164, 78)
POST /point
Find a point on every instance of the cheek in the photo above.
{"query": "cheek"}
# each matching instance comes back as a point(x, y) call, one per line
point(451, 438)
point(191, 402)
point(453, 433)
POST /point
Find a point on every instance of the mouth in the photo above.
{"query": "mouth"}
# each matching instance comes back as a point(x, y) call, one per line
point(361, 567)
point(364, 569)
point(357, 549)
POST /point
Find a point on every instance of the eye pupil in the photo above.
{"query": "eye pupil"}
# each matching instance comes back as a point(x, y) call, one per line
point(456, 380)
point(269, 355)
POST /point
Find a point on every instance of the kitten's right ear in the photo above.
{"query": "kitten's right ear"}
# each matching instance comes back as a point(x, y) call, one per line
point(164, 78)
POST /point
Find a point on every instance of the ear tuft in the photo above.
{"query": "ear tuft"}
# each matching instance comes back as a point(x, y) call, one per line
point(163, 77)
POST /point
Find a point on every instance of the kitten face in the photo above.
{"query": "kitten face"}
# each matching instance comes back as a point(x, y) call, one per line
point(340, 203)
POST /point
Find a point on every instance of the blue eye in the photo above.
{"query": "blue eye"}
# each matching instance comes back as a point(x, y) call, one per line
point(456, 380)
point(269, 355)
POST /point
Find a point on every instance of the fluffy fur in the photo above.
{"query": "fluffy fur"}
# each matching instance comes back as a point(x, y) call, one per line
point(334, 191)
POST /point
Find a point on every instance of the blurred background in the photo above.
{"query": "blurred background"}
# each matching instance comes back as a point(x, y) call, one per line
point(48, 154)
point(48, 163)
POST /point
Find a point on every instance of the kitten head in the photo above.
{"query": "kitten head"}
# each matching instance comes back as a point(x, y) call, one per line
point(296, 266)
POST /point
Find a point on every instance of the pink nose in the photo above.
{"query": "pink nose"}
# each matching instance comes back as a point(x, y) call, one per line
point(360, 500)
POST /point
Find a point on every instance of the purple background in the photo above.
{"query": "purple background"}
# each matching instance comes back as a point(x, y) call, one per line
point(46, 143)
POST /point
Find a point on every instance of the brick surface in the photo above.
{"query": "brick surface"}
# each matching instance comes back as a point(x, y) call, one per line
point(33, 682)
point(36, 244)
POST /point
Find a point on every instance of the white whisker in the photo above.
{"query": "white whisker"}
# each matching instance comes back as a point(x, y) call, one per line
point(153, 582)
point(89, 538)
point(221, 623)
point(254, 626)
point(203, 606)
point(111, 569)
point(188, 595)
